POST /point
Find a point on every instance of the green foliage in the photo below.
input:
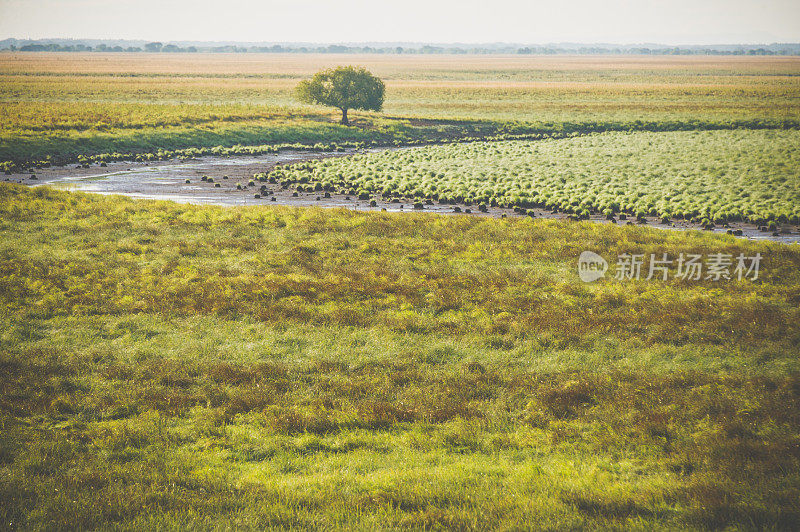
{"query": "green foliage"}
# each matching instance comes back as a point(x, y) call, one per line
point(743, 175)
point(344, 87)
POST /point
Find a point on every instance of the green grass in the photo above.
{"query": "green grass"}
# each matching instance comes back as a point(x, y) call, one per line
point(716, 175)
point(172, 366)
point(273, 127)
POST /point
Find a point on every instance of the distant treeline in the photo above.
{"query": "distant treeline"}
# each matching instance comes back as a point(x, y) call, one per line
point(46, 46)
point(149, 47)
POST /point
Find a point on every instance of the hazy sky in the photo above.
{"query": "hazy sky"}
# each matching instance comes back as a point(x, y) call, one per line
point(532, 21)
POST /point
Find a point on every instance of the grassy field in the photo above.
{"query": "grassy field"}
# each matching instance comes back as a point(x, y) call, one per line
point(168, 366)
point(68, 104)
point(178, 366)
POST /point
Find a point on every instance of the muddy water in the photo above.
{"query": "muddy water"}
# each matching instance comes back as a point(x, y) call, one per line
point(181, 181)
point(167, 180)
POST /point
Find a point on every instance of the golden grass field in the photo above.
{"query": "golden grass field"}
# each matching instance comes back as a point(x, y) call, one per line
point(68, 102)
point(384, 66)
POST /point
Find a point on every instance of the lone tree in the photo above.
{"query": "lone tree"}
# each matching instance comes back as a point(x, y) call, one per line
point(344, 87)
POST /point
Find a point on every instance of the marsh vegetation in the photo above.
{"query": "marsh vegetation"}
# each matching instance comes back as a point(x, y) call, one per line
point(306, 368)
point(167, 366)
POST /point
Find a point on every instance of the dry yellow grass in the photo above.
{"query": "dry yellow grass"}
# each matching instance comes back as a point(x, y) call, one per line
point(382, 65)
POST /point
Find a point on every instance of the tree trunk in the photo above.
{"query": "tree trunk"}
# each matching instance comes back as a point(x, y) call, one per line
point(344, 117)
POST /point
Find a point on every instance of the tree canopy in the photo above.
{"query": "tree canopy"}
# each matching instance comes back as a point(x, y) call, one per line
point(344, 87)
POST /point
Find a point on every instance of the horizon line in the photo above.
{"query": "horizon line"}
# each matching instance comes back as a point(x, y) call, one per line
point(406, 43)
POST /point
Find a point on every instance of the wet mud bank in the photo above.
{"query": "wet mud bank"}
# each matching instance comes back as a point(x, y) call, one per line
point(227, 181)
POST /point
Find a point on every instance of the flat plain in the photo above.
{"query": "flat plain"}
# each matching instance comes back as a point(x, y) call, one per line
point(167, 366)
point(67, 103)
